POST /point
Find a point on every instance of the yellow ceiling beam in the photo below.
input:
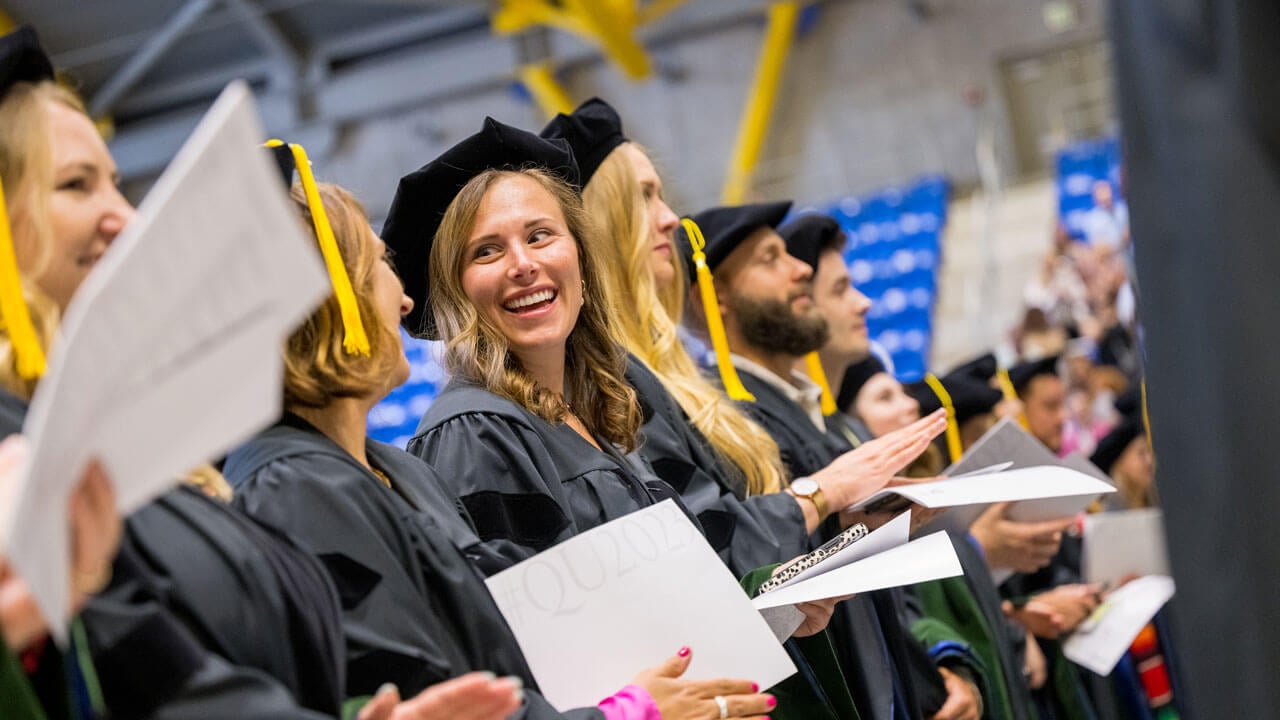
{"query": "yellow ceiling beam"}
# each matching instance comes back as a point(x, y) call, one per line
point(779, 35)
point(608, 24)
point(655, 9)
point(547, 92)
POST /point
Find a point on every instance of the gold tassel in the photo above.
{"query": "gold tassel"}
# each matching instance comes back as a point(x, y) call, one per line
point(1006, 387)
point(819, 376)
point(354, 341)
point(953, 426)
point(13, 307)
point(715, 325)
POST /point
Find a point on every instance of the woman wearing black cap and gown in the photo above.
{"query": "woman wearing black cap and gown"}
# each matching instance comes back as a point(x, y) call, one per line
point(537, 392)
point(207, 613)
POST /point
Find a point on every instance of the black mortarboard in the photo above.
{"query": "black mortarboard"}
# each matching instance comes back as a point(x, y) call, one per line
point(1113, 444)
point(724, 229)
point(424, 194)
point(592, 130)
point(1129, 402)
point(283, 157)
point(809, 235)
point(970, 398)
point(855, 376)
point(1022, 374)
point(22, 59)
point(981, 368)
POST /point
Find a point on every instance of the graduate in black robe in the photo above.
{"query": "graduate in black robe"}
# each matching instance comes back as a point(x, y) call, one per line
point(536, 430)
point(747, 531)
point(896, 678)
point(168, 636)
point(415, 610)
point(748, 528)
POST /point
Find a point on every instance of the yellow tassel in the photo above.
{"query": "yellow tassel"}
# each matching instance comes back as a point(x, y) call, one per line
point(354, 341)
point(953, 426)
point(1006, 387)
point(715, 325)
point(13, 307)
point(819, 376)
point(1146, 415)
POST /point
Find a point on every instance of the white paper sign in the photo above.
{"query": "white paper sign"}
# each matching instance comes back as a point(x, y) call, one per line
point(1043, 493)
point(169, 354)
point(595, 610)
point(1100, 642)
point(929, 558)
point(1120, 544)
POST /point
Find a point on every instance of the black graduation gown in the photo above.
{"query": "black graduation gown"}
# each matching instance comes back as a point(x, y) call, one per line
point(12, 412)
point(747, 532)
point(415, 610)
point(878, 645)
point(245, 624)
point(164, 639)
point(527, 484)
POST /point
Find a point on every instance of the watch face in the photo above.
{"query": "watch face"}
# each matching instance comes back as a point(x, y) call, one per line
point(804, 486)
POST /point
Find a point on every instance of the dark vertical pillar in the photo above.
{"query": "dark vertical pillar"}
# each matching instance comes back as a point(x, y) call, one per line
point(1198, 82)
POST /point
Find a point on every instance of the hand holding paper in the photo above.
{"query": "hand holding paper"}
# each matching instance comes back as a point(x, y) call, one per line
point(169, 353)
point(592, 611)
point(1102, 640)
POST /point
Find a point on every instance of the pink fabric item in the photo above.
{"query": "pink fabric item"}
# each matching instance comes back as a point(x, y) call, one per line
point(630, 703)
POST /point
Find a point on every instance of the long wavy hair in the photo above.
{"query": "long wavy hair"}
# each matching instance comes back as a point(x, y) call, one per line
point(26, 169)
point(317, 370)
point(477, 351)
point(614, 197)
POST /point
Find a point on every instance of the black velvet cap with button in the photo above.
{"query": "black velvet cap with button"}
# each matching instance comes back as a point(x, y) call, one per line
point(855, 376)
point(1022, 374)
point(22, 59)
point(425, 194)
point(724, 228)
point(593, 130)
point(809, 235)
point(981, 368)
point(969, 397)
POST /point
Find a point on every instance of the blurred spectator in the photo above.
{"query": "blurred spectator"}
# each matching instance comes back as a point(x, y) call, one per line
point(1106, 227)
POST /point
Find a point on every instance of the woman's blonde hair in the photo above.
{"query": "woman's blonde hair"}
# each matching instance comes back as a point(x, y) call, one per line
point(647, 329)
point(477, 351)
point(26, 169)
point(317, 370)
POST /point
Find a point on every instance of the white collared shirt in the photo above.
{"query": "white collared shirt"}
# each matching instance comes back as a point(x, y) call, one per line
point(800, 389)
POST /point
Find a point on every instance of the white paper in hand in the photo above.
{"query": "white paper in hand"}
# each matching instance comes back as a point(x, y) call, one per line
point(929, 558)
point(169, 354)
point(1103, 638)
point(595, 610)
point(1123, 544)
point(1041, 493)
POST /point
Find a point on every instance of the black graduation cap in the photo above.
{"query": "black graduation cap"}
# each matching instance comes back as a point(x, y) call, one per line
point(1113, 444)
point(22, 59)
point(1129, 402)
point(981, 368)
point(724, 229)
point(424, 194)
point(592, 130)
point(809, 235)
point(284, 163)
point(970, 398)
point(855, 376)
point(1022, 374)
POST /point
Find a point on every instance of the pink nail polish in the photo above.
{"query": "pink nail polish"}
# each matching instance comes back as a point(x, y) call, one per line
point(684, 652)
point(755, 687)
point(773, 702)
